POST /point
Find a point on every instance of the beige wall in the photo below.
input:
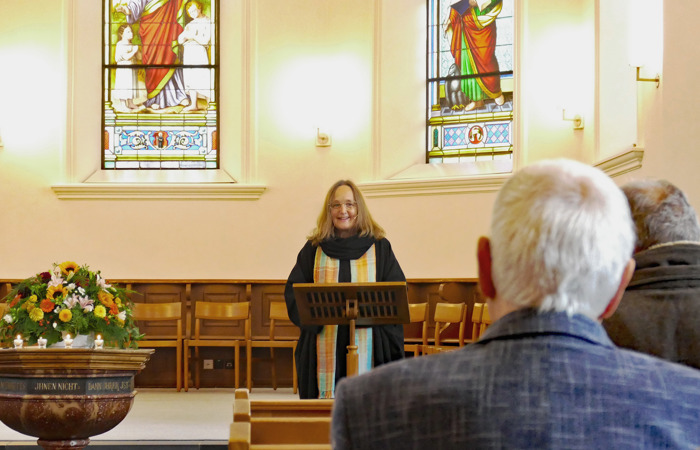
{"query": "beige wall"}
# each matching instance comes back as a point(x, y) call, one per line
point(267, 125)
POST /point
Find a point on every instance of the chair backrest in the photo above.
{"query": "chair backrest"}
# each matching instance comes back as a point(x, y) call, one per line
point(447, 314)
point(220, 312)
point(476, 320)
point(418, 312)
point(278, 313)
point(485, 319)
point(159, 312)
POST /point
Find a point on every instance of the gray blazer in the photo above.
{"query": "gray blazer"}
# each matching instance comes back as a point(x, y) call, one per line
point(545, 381)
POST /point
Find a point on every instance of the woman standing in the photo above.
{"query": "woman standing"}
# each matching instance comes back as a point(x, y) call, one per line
point(346, 246)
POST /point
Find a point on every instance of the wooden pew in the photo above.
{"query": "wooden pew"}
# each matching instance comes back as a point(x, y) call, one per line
point(276, 425)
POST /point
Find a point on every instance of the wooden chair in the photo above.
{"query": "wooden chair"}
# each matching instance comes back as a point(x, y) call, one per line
point(447, 314)
point(477, 314)
point(418, 313)
point(249, 431)
point(216, 315)
point(485, 320)
point(278, 312)
point(145, 314)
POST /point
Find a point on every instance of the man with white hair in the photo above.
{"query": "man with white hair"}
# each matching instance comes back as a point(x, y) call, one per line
point(544, 374)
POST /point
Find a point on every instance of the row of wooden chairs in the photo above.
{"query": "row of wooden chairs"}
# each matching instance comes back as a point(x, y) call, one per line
point(215, 313)
point(445, 316)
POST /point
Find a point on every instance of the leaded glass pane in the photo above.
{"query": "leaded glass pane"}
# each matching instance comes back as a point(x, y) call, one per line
point(160, 83)
point(470, 80)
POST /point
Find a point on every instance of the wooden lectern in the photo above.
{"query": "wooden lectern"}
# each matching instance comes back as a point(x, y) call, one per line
point(352, 304)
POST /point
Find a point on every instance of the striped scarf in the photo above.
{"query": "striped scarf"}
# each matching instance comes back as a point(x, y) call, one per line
point(326, 270)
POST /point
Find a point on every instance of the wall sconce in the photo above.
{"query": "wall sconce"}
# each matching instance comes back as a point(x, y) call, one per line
point(576, 119)
point(657, 79)
point(322, 139)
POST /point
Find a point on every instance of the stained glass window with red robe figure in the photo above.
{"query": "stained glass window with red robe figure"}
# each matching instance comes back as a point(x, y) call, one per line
point(470, 80)
point(160, 82)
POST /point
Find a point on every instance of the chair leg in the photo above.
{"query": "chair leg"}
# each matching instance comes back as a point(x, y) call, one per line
point(249, 357)
point(273, 369)
point(178, 365)
point(237, 353)
point(187, 367)
point(196, 367)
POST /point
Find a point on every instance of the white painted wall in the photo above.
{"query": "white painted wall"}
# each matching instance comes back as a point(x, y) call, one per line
point(375, 116)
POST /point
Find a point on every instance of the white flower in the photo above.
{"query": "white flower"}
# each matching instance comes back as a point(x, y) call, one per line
point(122, 316)
point(71, 301)
point(102, 283)
point(55, 324)
point(88, 308)
point(71, 287)
point(7, 318)
point(81, 290)
point(56, 279)
point(86, 303)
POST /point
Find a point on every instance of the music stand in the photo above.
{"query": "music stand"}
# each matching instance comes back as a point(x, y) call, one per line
point(352, 304)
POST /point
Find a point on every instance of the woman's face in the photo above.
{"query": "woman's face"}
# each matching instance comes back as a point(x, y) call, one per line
point(344, 212)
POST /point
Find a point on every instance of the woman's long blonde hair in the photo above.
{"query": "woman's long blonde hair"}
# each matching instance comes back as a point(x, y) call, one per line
point(365, 225)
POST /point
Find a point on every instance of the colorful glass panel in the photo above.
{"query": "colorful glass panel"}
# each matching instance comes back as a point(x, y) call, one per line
point(160, 80)
point(470, 80)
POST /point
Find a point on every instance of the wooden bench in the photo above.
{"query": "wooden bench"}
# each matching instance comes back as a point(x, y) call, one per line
point(276, 425)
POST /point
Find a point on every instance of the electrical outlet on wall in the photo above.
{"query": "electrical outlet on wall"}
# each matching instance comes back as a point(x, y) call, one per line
point(208, 364)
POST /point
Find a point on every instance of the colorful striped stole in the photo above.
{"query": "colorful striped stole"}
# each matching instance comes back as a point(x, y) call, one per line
point(363, 269)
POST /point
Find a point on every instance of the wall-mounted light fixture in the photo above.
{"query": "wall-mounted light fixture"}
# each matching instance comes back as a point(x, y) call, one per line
point(323, 139)
point(576, 119)
point(657, 79)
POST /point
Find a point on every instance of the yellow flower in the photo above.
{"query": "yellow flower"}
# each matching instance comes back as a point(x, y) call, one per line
point(65, 315)
point(55, 292)
point(105, 298)
point(36, 314)
point(68, 266)
point(100, 311)
point(33, 299)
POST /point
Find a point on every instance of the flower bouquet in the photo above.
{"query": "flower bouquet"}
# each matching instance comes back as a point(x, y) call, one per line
point(69, 299)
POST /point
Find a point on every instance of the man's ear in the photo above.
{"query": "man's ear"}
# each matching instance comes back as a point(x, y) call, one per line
point(615, 301)
point(483, 256)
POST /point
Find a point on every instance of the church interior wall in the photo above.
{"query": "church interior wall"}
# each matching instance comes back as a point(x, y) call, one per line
point(50, 121)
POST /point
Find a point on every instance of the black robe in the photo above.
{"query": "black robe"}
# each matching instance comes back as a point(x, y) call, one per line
point(387, 340)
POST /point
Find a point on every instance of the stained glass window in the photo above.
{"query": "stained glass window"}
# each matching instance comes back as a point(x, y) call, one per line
point(160, 82)
point(470, 80)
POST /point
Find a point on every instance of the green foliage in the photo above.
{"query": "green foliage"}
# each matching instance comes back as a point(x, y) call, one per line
point(68, 299)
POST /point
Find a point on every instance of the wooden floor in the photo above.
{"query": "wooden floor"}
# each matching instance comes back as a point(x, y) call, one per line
point(164, 418)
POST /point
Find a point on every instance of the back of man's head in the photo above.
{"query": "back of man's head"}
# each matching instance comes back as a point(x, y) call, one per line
point(561, 238)
point(661, 213)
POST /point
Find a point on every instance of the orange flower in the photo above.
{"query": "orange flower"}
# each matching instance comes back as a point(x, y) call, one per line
point(15, 300)
point(47, 305)
point(114, 309)
point(105, 298)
